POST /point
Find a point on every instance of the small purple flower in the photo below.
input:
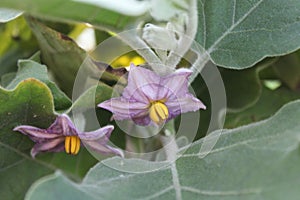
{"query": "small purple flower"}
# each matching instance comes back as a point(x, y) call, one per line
point(149, 96)
point(62, 135)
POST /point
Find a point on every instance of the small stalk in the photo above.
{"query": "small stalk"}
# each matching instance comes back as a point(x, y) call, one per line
point(168, 141)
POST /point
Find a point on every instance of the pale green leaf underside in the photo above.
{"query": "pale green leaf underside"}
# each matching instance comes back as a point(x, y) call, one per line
point(32, 69)
point(239, 33)
point(7, 15)
point(259, 161)
point(72, 11)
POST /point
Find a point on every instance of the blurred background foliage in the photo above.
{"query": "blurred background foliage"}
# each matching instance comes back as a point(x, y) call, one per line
point(261, 89)
point(52, 52)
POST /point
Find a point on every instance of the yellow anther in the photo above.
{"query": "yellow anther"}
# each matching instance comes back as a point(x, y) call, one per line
point(153, 115)
point(158, 112)
point(124, 60)
point(72, 144)
point(137, 60)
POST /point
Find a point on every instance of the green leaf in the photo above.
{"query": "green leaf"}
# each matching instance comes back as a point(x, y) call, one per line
point(17, 42)
point(93, 96)
point(60, 53)
point(111, 16)
point(64, 58)
point(7, 78)
point(7, 15)
point(287, 69)
point(238, 34)
point(30, 103)
point(243, 88)
point(31, 69)
point(259, 161)
point(269, 102)
point(165, 10)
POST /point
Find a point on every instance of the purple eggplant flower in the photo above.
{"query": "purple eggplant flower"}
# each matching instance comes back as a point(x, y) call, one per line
point(63, 136)
point(150, 97)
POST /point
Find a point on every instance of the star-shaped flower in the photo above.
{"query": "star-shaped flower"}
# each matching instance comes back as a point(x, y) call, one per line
point(150, 97)
point(63, 136)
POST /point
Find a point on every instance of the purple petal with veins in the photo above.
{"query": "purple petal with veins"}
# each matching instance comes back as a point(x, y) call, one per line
point(53, 138)
point(36, 134)
point(124, 109)
point(184, 104)
point(54, 145)
point(63, 125)
point(148, 91)
point(97, 141)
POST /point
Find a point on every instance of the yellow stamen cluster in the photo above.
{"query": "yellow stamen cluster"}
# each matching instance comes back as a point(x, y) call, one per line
point(158, 112)
point(72, 144)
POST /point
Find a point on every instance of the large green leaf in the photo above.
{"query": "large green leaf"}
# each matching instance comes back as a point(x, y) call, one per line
point(64, 58)
point(30, 103)
point(237, 33)
point(60, 53)
point(287, 69)
point(243, 87)
point(104, 15)
point(259, 161)
point(93, 96)
point(31, 69)
point(269, 102)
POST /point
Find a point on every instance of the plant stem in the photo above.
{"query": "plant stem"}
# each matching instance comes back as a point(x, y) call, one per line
point(170, 146)
point(202, 59)
point(168, 141)
point(186, 39)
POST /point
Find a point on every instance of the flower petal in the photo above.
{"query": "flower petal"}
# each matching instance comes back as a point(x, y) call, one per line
point(97, 141)
point(176, 83)
point(63, 126)
point(102, 133)
point(54, 145)
point(143, 120)
point(103, 148)
point(142, 84)
point(123, 109)
point(184, 104)
point(36, 134)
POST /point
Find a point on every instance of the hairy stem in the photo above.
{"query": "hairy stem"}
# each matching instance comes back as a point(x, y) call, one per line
point(168, 141)
point(186, 39)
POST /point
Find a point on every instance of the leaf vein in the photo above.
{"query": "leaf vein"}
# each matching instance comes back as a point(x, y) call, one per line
point(234, 12)
point(157, 194)
point(213, 46)
point(25, 156)
point(12, 165)
point(222, 193)
point(246, 142)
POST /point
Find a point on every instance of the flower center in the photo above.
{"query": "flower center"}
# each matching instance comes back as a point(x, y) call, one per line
point(158, 112)
point(72, 144)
